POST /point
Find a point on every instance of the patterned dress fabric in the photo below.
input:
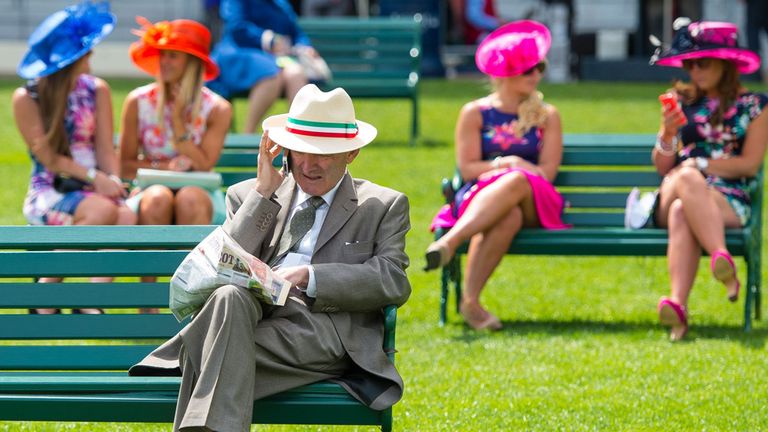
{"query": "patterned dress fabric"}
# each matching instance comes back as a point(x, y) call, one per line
point(498, 139)
point(43, 205)
point(701, 139)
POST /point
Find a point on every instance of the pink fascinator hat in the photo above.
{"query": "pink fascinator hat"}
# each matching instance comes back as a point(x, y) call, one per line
point(706, 39)
point(513, 49)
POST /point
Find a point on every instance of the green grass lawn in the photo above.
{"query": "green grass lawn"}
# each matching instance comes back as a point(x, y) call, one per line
point(581, 349)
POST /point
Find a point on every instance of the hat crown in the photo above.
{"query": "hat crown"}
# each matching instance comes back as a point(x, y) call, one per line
point(513, 48)
point(312, 104)
point(64, 36)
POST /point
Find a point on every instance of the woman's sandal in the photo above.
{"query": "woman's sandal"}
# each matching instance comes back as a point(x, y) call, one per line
point(673, 315)
point(436, 256)
point(724, 270)
point(476, 321)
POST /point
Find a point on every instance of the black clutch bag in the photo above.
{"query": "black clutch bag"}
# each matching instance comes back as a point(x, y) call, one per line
point(66, 184)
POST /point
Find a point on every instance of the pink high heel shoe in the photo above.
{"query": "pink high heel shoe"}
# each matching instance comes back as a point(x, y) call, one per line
point(724, 270)
point(673, 315)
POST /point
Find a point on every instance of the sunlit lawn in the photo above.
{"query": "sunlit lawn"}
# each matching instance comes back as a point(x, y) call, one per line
point(581, 348)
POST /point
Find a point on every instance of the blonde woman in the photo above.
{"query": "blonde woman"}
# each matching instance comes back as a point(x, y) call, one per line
point(508, 150)
point(64, 116)
point(174, 123)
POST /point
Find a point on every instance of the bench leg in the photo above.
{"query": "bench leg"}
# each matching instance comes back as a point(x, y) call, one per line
point(415, 119)
point(386, 420)
point(444, 282)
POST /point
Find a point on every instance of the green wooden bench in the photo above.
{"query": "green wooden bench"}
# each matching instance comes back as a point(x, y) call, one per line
point(70, 367)
point(595, 177)
point(370, 58)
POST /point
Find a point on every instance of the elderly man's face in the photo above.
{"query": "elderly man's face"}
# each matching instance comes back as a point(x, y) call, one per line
point(318, 174)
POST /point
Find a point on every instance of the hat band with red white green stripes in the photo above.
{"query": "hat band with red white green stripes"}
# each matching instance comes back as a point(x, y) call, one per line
point(321, 129)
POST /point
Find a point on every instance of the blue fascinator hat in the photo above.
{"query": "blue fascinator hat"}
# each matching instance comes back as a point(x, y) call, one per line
point(64, 37)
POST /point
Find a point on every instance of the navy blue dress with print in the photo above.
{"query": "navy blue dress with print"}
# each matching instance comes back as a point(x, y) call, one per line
point(498, 140)
point(701, 139)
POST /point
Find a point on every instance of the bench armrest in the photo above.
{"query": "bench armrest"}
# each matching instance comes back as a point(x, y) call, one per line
point(390, 321)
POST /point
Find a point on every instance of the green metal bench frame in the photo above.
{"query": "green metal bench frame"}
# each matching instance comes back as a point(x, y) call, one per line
point(370, 57)
point(596, 174)
point(73, 367)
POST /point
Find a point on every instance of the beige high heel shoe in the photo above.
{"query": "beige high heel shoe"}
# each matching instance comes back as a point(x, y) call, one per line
point(436, 256)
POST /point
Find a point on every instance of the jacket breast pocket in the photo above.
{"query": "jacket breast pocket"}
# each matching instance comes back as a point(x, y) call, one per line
point(358, 248)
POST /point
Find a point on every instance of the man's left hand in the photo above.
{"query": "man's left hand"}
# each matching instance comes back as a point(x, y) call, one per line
point(296, 275)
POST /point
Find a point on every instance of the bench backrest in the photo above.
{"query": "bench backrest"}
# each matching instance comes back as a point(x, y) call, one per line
point(77, 253)
point(373, 51)
point(599, 170)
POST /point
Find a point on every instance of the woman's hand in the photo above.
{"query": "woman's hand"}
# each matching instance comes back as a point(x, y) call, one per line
point(268, 178)
point(672, 118)
point(180, 163)
point(109, 186)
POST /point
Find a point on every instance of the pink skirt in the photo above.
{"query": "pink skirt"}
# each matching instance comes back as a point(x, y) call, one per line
point(548, 201)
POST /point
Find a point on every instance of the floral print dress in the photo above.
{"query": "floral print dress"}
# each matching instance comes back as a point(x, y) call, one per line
point(43, 205)
point(702, 139)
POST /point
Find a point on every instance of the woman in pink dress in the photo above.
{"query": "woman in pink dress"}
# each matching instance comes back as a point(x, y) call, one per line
point(508, 150)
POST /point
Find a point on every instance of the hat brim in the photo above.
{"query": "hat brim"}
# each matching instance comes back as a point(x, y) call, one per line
point(147, 58)
point(316, 145)
point(33, 67)
point(746, 61)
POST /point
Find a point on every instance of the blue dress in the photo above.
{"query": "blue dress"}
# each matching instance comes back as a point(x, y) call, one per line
point(240, 55)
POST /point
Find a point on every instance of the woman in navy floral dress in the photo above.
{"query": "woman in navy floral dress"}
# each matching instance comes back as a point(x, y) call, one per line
point(710, 147)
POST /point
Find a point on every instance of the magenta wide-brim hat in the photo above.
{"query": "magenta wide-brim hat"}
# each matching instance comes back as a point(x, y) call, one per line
point(746, 61)
point(707, 39)
point(513, 49)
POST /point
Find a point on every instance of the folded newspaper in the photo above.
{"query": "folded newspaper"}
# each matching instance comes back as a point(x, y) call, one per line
point(218, 260)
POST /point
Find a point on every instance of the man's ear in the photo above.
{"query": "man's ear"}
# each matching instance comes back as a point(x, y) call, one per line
point(352, 155)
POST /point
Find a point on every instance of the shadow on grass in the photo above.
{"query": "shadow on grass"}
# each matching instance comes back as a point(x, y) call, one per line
point(755, 339)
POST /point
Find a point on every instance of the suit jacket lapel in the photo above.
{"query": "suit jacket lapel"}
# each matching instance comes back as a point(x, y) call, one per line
point(284, 196)
point(343, 206)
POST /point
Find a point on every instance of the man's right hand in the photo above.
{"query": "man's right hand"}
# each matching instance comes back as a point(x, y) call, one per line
point(268, 178)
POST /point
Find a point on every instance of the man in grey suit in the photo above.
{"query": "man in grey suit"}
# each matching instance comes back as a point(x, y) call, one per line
point(339, 240)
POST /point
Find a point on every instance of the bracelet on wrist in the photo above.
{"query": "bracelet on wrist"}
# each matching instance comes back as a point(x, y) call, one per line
point(666, 151)
point(496, 162)
point(91, 174)
point(186, 136)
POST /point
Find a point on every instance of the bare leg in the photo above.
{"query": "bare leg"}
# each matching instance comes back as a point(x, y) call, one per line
point(193, 206)
point(486, 250)
point(261, 97)
point(488, 207)
point(683, 254)
point(294, 80)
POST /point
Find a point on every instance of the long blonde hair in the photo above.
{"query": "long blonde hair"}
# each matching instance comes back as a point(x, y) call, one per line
point(189, 90)
point(53, 91)
point(532, 112)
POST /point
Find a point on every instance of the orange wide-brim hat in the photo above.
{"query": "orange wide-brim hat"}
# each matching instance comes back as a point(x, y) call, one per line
point(183, 35)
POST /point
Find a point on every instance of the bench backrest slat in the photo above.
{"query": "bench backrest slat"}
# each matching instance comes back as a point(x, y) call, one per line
point(99, 263)
point(24, 295)
point(71, 357)
point(107, 326)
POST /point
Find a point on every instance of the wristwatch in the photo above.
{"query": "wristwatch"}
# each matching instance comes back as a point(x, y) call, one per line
point(91, 174)
point(702, 164)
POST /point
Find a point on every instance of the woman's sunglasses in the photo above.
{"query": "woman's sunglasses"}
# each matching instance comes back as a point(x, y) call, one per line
point(541, 67)
point(702, 63)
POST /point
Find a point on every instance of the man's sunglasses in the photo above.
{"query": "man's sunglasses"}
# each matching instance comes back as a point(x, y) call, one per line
point(702, 63)
point(541, 67)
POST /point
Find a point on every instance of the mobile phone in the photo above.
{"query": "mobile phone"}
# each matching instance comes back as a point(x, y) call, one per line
point(286, 161)
point(669, 102)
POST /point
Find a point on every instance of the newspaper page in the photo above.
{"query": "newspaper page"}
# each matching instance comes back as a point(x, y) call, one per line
point(218, 260)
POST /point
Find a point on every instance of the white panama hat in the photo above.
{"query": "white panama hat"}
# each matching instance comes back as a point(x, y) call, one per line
point(319, 122)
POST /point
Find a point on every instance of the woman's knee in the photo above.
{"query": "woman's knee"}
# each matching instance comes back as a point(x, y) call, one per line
point(293, 74)
point(192, 204)
point(156, 205)
point(96, 210)
point(516, 181)
point(676, 212)
point(689, 180)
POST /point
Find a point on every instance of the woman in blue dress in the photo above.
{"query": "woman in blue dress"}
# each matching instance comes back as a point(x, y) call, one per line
point(253, 54)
